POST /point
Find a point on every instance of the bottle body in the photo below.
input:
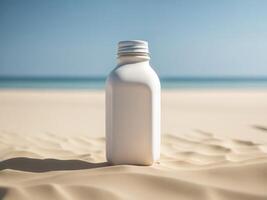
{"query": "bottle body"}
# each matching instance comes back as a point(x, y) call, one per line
point(133, 113)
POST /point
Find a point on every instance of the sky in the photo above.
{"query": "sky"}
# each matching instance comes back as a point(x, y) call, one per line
point(186, 37)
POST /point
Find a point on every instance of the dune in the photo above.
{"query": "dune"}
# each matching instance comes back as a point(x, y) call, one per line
point(41, 158)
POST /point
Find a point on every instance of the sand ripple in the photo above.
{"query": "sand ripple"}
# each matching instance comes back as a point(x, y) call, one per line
point(198, 166)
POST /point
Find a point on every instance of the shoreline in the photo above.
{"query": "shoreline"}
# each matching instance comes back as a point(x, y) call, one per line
point(208, 89)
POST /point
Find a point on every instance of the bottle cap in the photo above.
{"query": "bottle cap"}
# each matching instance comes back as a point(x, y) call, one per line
point(133, 47)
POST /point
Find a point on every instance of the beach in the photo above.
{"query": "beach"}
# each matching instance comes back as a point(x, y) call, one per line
point(214, 146)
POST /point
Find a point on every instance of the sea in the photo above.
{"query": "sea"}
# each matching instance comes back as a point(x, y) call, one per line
point(98, 83)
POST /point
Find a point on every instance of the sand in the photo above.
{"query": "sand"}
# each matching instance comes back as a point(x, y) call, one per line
point(214, 146)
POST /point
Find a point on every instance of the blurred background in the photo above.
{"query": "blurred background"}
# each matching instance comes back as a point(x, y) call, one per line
point(193, 44)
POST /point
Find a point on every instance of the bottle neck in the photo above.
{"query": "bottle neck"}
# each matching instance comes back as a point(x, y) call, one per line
point(131, 59)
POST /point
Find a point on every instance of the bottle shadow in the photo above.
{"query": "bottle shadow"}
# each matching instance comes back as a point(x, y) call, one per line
point(3, 192)
point(46, 165)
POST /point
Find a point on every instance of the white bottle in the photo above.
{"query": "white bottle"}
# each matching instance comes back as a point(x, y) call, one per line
point(133, 107)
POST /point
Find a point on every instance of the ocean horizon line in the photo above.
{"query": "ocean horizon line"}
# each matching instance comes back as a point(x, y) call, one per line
point(98, 82)
point(163, 78)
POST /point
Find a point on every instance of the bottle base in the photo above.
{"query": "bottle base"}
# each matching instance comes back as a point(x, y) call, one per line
point(143, 163)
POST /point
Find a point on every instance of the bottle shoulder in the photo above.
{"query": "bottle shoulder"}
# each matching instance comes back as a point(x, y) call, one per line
point(134, 74)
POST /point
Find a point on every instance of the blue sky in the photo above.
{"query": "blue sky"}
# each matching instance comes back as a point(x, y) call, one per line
point(186, 37)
